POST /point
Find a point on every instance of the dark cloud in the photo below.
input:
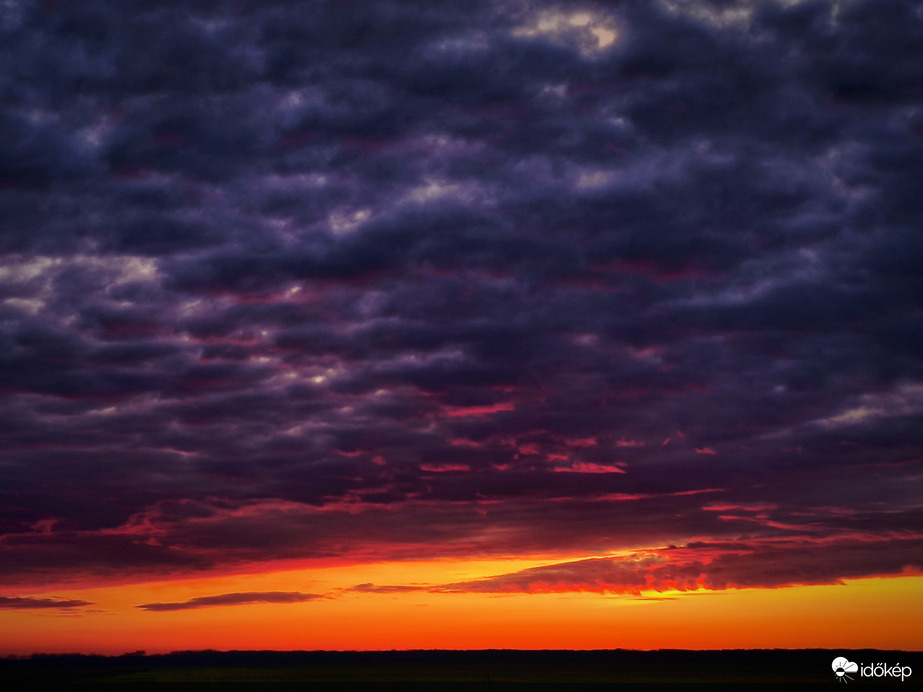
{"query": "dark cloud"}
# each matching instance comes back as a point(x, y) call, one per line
point(710, 566)
point(232, 599)
point(288, 280)
point(26, 603)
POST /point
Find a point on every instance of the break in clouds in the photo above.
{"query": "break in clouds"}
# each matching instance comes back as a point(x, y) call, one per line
point(387, 280)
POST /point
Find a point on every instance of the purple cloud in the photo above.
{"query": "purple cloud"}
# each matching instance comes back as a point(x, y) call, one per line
point(288, 282)
point(26, 603)
point(232, 599)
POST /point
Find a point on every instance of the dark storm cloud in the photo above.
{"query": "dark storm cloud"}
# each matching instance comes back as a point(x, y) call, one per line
point(351, 277)
point(232, 599)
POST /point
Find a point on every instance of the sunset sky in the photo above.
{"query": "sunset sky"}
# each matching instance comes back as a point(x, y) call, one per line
point(499, 324)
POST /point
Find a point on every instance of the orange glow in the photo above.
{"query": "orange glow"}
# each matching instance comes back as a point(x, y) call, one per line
point(875, 613)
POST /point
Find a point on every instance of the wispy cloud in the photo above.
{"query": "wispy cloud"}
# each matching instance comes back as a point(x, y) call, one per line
point(714, 566)
point(26, 603)
point(233, 599)
point(384, 588)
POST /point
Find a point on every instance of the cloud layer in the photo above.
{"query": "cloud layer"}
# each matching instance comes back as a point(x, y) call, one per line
point(292, 280)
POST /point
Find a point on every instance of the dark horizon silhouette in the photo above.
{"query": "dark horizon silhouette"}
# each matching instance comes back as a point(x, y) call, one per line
point(498, 667)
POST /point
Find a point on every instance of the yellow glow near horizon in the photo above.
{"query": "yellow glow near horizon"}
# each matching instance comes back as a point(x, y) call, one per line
point(865, 613)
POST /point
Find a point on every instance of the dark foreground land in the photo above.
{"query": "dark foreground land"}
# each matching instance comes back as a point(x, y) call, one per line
point(447, 670)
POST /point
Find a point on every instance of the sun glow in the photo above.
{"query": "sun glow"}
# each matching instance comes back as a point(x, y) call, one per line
point(392, 605)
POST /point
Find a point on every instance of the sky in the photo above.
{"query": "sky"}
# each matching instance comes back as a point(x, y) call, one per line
point(504, 323)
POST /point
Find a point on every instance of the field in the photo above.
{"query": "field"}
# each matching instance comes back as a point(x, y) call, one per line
point(450, 670)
